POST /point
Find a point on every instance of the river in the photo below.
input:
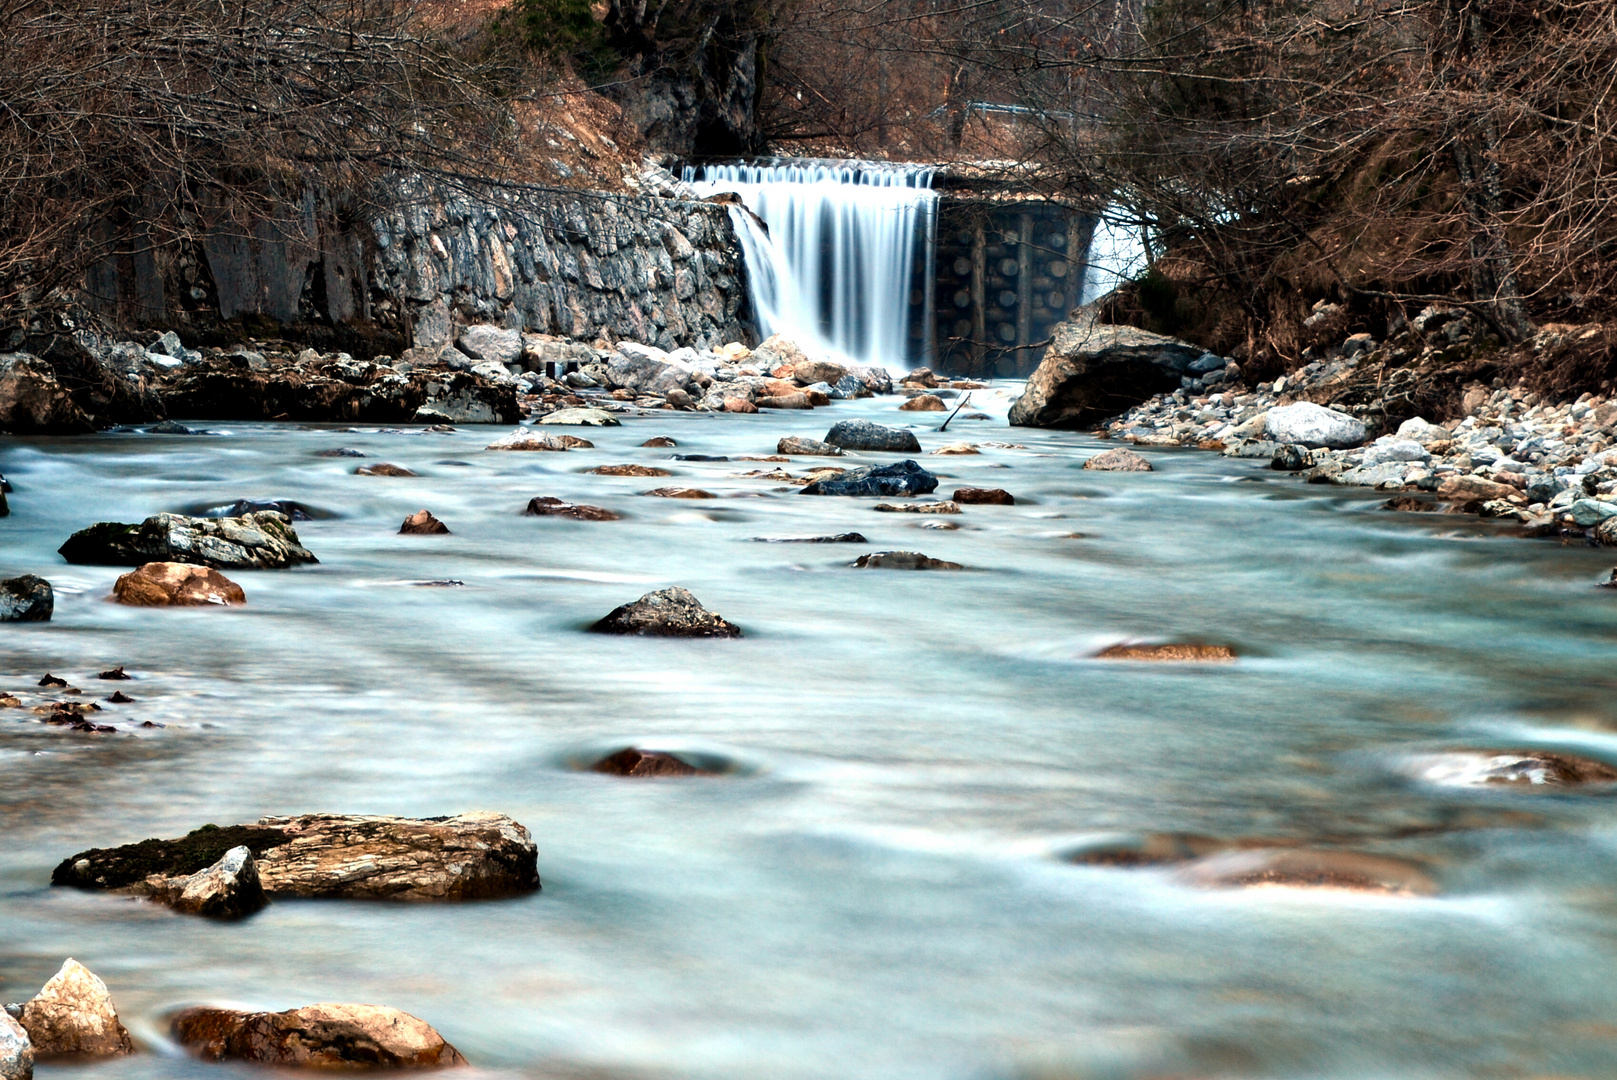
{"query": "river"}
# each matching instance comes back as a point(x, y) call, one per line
point(877, 890)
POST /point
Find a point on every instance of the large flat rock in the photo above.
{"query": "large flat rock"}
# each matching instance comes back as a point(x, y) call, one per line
point(1091, 372)
point(259, 541)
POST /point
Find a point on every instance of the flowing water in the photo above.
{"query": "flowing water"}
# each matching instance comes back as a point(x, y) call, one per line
point(877, 890)
point(832, 252)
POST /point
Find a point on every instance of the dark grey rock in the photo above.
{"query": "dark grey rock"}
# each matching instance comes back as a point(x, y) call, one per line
point(864, 435)
point(666, 613)
point(26, 599)
point(256, 541)
point(901, 478)
point(1091, 372)
point(1292, 457)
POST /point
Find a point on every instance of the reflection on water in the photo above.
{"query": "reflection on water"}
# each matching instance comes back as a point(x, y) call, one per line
point(879, 888)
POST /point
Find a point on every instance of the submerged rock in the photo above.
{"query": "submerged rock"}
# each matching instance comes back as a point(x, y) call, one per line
point(1313, 425)
point(260, 541)
point(422, 523)
point(1118, 459)
point(628, 470)
point(670, 612)
point(924, 403)
point(680, 493)
point(16, 1051)
point(473, 856)
point(26, 599)
point(902, 478)
point(632, 761)
point(1174, 651)
point(528, 439)
point(661, 442)
point(73, 1016)
point(1523, 768)
point(984, 497)
point(1304, 868)
point(382, 468)
point(172, 584)
point(903, 560)
point(836, 538)
point(328, 1037)
point(864, 435)
point(957, 449)
point(550, 506)
point(807, 447)
point(1149, 849)
point(946, 506)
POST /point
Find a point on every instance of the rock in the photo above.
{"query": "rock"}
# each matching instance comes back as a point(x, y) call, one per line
point(422, 523)
point(528, 439)
point(1091, 372)
point(491, 343)
point(1385, 450)
point(957, 449)
point(580, 418)
point(26, 599)
point(1410, 504)
point(943, 507)
point(739, 405)
point(1587, 512)
point(16, 1051)
point(229, 889)
point(172, 584)
point(924, 403)
point(643, 372)
point(680, 493)
point(260, 541)
point(1605, 533)
point(1149, 849)
point(628, 470)
point(984, 497)
point(1176, 651)
point(1118, 459)
point(1302, 868)
point(1524, 768)
point(920, 376)
point(848, 388)
point(632, 761)
point(382, 468)
point(808, 372)
point(117, 674)
point(864, 435)
point(34, 402)
point(1418, 430)
point(341, 451)
point(1292, 457)
point(837, 538)
point(797, 400)
point(679, 399)
point(807, 447)
point(549, 506)
point(660, 442)
point(473, 856)
point(1473, 488)
point(903, 560)
point(315, 1037)
point(1387, 475)
point(902, 478)
point(1314, 426)
point(666, 613)
point(292, 511)
point(1251, 448)
point(73, 1016)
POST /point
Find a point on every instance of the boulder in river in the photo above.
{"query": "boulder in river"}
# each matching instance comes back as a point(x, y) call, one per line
point(902, 478)
point(632, 761)
point(628, 470)
point(1117, 459)
point(903, 560)
point(974, 496)
point(1179, 651)
point(26, 599)
point(661, 442)
point(1308, 868)
point(739, 405)
point(670, 612)
point(580, 418)
point(382, 468)
point(644, 371)
point(807, 372)
point(172, 584)
point(806, 447)
point(797, 400)
point(1510, 768)
point(833, 538)
point(34, 402)
point(550, 506)
point(528, 439)
point(956, 449)
point(924, 403)
point(680, 493)
point(1091, 372)
point(422, 523)
point(1313, 426)
point(16, 1051)
point(946, 506)
point(325, 1037)
point(864, 435)
point(473, 856)
point(73, 1016)
point(229, 889)
point(260, 541)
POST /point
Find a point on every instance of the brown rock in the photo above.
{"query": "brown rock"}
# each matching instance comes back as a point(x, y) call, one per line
point(805, 372)
point(778, 387)
point(924, 403)
point(170, 584)
point(1176, 651)
point(984, 496)
point(798, 400)
point(1474, 488)
point(422, 523)
point(921, 377)
point(942, 507)
point(632, 761)
point(315, 1036)
point(34, 402)
point(903, 560)
point(623, 395)
point(1118, 459)
point(1409, 504)
point(1513, 768)
point(628, 470)
point(549, 506)
point(819, 399)
point(73, 1016)
point(382, 468)
point(531, 440)
point(739, 405)
point(791, 444)
point(660, 442)
point(680, 493)
point(670, 612)
point(1303, 868)
point(1151, 849)
point(957, 448)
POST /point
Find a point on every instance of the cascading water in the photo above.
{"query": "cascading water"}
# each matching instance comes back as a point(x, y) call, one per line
point(836, 266)
point(1116, 255)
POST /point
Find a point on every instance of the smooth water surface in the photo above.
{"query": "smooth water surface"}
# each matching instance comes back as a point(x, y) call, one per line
point(877, 892)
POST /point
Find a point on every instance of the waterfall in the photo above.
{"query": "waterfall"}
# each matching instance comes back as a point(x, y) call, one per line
point(836, 267)
point(1116, 255)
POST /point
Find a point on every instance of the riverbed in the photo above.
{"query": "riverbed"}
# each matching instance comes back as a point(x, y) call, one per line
point(877, 888)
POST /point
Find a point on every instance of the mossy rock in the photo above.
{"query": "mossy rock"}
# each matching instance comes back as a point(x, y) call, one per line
point(115, 868)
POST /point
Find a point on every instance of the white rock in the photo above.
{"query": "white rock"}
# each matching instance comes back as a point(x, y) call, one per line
point(73, 1014)
point(1313, 425)
point(491, 343)
point(1420, 431)
point(16, 1052)
point(1395, 450)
